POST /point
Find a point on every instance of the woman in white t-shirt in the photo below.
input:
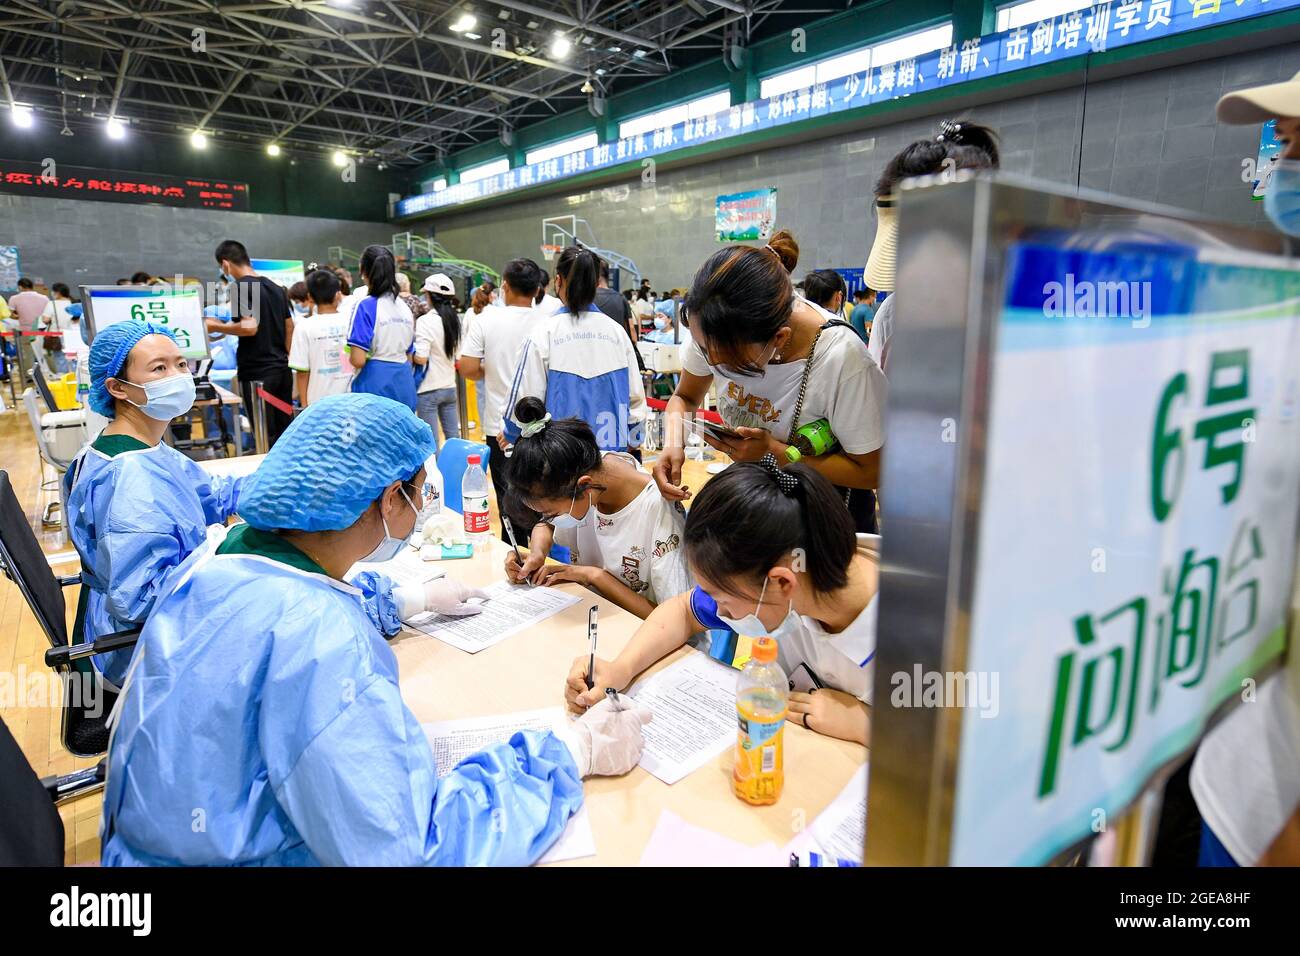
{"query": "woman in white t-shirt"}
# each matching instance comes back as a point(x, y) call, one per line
point(437, 337)
point(624, 539)
point(773, 555)
point(753, 338)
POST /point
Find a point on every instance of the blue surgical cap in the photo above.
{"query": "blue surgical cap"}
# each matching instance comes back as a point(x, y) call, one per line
point(108, 355)
point(332, 461)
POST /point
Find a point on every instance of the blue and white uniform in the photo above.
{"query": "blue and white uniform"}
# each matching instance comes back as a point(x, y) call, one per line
point(135, 513)
point(385, 329)
point(583, 366)
point(304, 753)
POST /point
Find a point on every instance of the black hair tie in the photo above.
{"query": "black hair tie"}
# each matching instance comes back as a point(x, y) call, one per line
point(787, 482)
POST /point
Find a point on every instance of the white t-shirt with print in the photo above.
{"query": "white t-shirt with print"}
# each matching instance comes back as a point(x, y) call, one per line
point(641, 544)
point(846, 387)
point(430, 343)
point(496, 336)
point(319, 349)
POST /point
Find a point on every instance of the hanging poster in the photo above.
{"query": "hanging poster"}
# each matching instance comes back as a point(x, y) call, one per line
point(745, 217)
point(1270, 151)
point(8, 267)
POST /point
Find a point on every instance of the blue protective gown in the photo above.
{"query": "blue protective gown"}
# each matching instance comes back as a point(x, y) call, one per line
point(134, 516)
point(261, 724)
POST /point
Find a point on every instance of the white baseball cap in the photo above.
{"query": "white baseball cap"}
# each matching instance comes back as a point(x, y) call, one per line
point(439, 284)
point(1256, 104)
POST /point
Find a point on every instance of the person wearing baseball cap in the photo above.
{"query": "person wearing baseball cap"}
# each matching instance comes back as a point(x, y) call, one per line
point(1280, 102)
point(1246, 774)
point(437, 338)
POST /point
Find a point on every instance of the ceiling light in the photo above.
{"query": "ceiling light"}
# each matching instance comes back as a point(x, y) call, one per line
point(199, 139)
point(587, 87)
point(560, 46)
point(532, 24)
point(340, 158)
point(504, 14)
point(465, 22)
point(22, 116)
point(116, 128)
point(616, 49)
point(600, 71)
point(273, 149)
point(474, 36)
point(638, 53)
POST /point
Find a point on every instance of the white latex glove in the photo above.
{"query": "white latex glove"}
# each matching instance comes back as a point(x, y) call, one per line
point(606, 740)
point(442, 595)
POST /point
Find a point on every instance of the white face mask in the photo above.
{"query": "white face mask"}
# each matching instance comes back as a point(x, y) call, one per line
point(166, 398)
point(389, 547)
point(751, 626)
point(567, 520)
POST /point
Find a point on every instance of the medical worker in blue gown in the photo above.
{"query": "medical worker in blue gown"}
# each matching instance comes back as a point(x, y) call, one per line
point(136, 506)
point(261, 721)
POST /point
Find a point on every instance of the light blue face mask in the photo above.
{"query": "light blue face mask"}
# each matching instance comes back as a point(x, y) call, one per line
point(389, 547)
point(567, 520)
point(752, 626)
point(166, 398)
point(1282, 197)
point(660, 322)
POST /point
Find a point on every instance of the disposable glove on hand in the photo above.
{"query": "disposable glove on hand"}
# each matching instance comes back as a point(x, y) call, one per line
point(442, 596)
point(606, 740)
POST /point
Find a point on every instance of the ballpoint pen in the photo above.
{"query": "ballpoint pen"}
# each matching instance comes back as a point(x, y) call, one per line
point(510, 533)
point(591, 637)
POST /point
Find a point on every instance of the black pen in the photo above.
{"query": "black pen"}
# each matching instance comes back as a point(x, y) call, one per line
point(510, 532)
point(591, 637)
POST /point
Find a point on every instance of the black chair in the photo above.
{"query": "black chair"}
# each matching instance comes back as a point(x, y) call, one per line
point(31, 830)
point(42, 386)
point(87, 701)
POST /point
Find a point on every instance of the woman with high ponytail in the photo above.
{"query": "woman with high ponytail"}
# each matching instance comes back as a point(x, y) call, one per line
point(579, 364)
point(624, 539)
point(382, 332)
point(773, 553)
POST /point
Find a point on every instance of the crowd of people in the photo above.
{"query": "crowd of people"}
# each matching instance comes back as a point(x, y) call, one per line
point(782, 543)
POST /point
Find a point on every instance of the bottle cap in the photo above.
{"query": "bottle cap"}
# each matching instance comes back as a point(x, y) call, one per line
point(792, 453)
point(475, 459)
point(763, 650)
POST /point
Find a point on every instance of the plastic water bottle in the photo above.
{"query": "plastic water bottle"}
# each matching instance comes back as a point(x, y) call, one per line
point(762, 694)
point(430, 493)
point(474, 500)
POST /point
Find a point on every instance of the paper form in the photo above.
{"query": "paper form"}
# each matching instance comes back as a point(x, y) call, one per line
point(840, 830)
point(678, 843)
point(694, 704)
point(406, 568)
point(454, 740)
point(510, 608)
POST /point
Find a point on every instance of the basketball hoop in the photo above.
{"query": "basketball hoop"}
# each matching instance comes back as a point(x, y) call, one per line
point(549, 250)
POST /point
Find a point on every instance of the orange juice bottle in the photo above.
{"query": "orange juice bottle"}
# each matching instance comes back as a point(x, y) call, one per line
point(761, 701)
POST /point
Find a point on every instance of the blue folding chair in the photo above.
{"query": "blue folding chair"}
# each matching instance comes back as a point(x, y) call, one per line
point(453, 459)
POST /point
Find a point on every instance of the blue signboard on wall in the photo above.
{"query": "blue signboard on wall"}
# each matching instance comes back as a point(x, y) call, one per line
point(1101, 27)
